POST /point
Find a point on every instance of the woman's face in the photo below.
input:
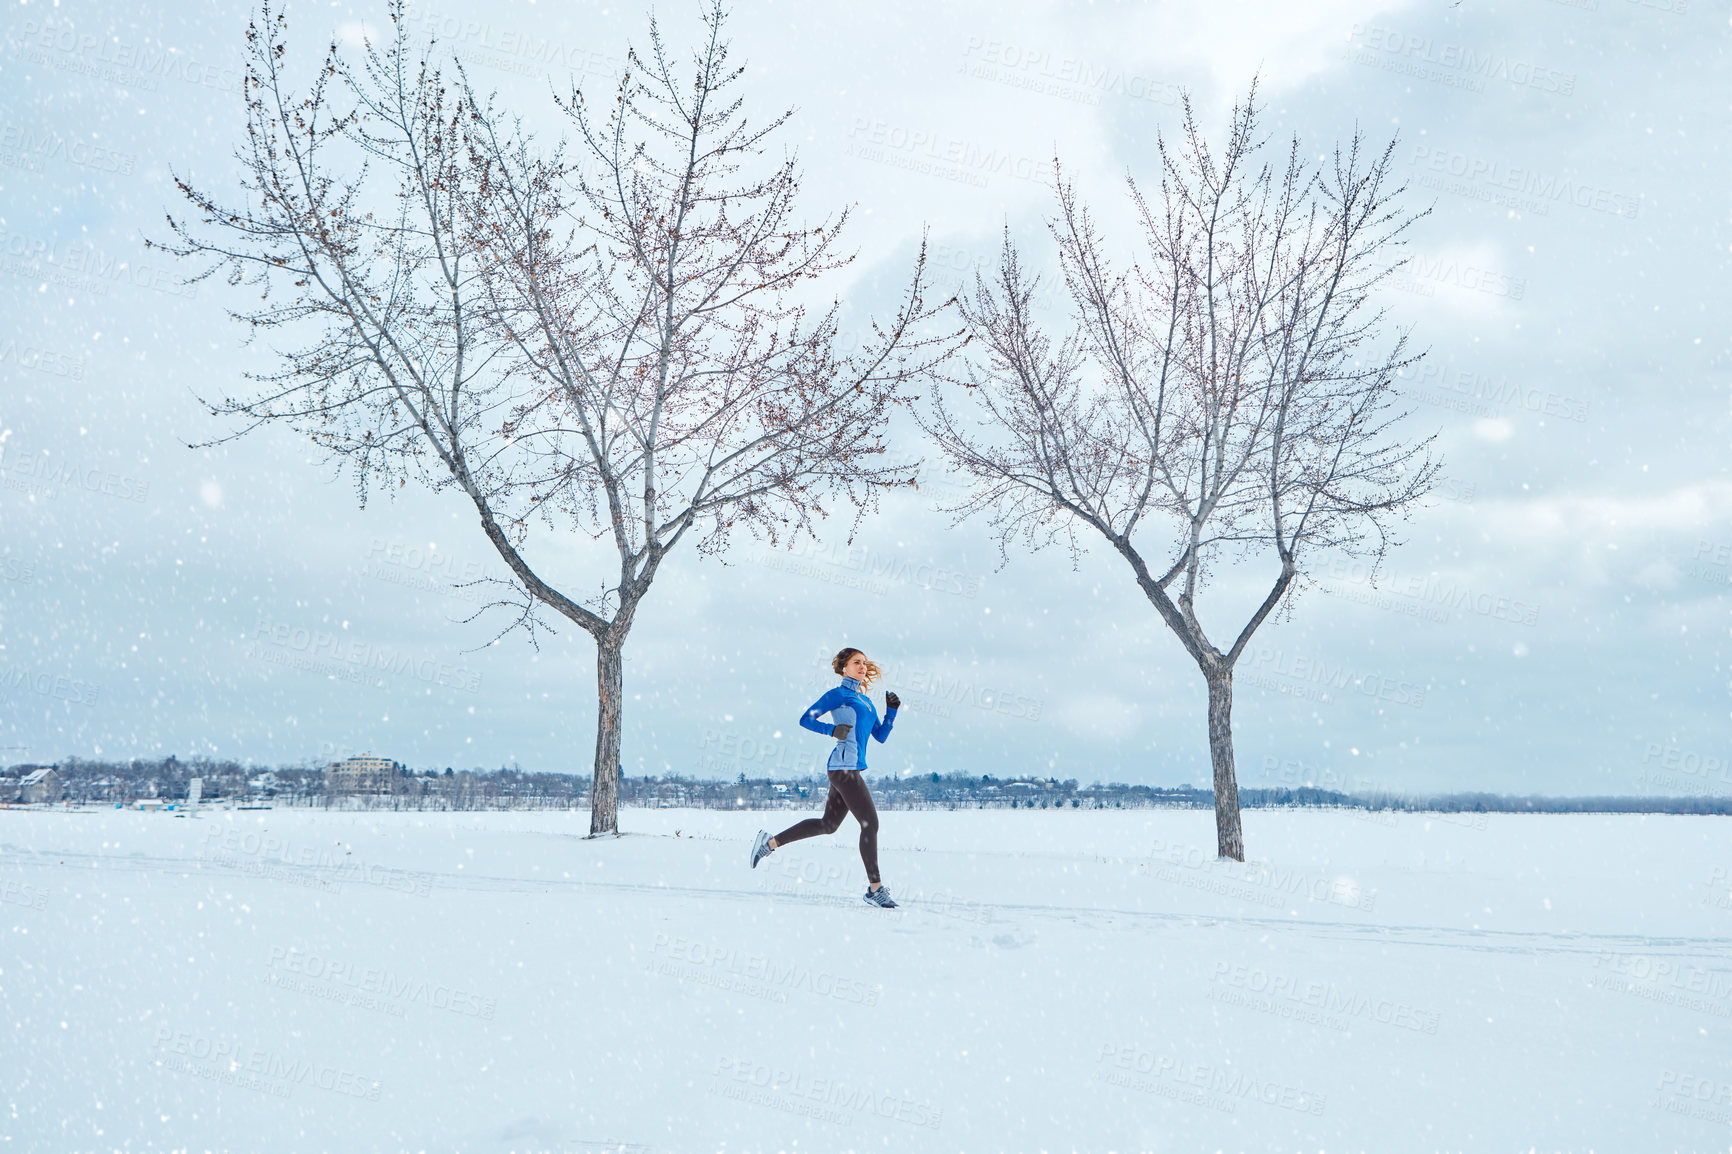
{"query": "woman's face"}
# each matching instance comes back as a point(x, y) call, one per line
point(855, 667)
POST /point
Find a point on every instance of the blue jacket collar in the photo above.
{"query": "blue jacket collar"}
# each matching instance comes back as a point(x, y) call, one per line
point(851, 683)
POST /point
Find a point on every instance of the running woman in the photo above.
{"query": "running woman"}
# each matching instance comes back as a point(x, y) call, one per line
point(852, 719)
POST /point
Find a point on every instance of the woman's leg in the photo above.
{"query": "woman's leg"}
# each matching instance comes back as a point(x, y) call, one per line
point(859, 799)
point(835, 806)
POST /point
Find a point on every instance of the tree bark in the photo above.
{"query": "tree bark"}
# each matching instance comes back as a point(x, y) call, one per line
point(610, 680)
point(1229, 838)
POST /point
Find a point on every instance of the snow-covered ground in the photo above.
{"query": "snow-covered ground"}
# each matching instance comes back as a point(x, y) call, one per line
point(1055, 980)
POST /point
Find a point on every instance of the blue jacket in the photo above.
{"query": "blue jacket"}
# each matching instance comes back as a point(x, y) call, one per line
point(846, 704)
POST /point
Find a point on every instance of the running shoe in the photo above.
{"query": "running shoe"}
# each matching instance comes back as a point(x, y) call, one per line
point(761, 848)
point(880, 897)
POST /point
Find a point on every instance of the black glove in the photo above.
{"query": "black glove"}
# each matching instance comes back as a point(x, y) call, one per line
point(841, 732)
point(891, 701)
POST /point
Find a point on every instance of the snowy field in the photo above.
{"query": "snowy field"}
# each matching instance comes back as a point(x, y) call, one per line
point(1057, 981)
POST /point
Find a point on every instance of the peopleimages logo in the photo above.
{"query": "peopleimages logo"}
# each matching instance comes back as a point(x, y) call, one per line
point(85, 268)
point(24, 147)
point(939, 692)
point(1688, 761)
point(43, 468)
point(1422, 274)
point(1312, 678)
point(869, 569)
point(1323, 1003)
point(1074, 78)
point(230, 1062)
point(1694, 1096)
point(937, 153)
point(1538, 190)
point(361, 658)
point(23, 894)
point(1432, 595)
point(530, 53)
point(1498, 392)
point(1263, 883)
point(753, 974)
point(55, 685)
point(380, 981)
point(1454, 65)
point(798, 1086)
point(40, 360)
point(1227, 1086)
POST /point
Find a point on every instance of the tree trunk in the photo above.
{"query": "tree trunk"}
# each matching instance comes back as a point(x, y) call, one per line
point(604, 798)
point(1229, 838)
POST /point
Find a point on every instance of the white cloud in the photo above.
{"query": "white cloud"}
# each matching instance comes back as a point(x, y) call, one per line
point(1287, 44)
point(1691, 510)
point(355, 33)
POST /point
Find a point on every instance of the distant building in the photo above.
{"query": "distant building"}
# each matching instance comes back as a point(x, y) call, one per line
point(39, 784)
point(367, 773)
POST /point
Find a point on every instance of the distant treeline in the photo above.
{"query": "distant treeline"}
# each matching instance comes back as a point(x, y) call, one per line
point(124, 782)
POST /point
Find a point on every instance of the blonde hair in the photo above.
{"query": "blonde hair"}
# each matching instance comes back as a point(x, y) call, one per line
point(873, 673)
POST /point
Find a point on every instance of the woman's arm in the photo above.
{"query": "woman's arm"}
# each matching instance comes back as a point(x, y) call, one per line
point(809, 719)
point(882, 729)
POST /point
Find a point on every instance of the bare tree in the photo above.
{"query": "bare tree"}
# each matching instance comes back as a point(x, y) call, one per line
point(613, 344)
point(1229, 393)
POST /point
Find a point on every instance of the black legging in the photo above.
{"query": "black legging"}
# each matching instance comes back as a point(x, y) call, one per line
point(848, 794)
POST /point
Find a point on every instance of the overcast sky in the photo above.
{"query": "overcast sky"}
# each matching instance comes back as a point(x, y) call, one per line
point(1570, 284)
